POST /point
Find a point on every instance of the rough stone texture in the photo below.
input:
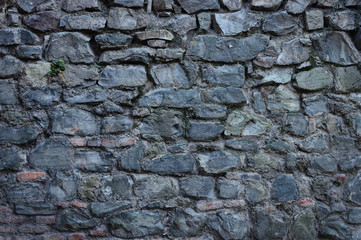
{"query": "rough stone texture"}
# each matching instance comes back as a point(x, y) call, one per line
point(9, 67)
point(78, 5)
point(218, 162)
point(284, 189)
point(29, 52)
point(16, 36)
point(30, 5)
point(279, 24)
point(266, 4)
point(293, 52)
point(225, 75)
point(187, 223)
point(304, 226)
point(91, 161)
point(129, 55)
point(343, 20)
point(117, 187)
point(203, 131)
point(84, 22)
point(229, 225)
point(314, 19)
point(43, 21)
point(229, 189)
point(348, 79)
point(130, 158)
point(113, 40)
point(129, 3)
point(126, 76)
point(68, 220)
point(232, 4)
point(229, 95)
point(192, 6)
point(172, 164)
point(199, 187)
point(314, 79)
point(268, 226)
point(234, 23)
point(170, 75)
point(297, 6)
point(18, 135)
point(170, 98)
point(126, 19)
point(7, 93)
point(150, 188)
point(11, 159)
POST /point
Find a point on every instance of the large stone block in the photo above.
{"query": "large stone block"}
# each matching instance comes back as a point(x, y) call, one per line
point(170, 98)
point(187, 223)
point(169, 75)
point(237, 22)
point(204, 131)
point(284, 188)
point(279, 23)
point(192, 6)
point(10, 66)
point(224, 75)
point(123, 76)
point(198, 186)
point(155, 187)
point(169, 164)
point(218, 161)
point(43, 21)
point(17, 36)
point(18, 135)
point(127, 19)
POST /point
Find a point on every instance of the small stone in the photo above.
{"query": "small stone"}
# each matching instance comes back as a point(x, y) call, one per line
point(284, 189)
point(84, 22)
point(155, 34)
point(232, 5)
point(342, 144)
point(229, 224)
point(218, 161)
point(192, 6)
point(181, 24)
point(229, 95)
point(126, 19)
point(24, 193)
point(268, 227)
point(198, 186)
point(297, 6)
point(315, 105)
point(297, 124)
point(129, 55)
point(36, 208)
point(229, 189)
point(113, 40)
point(314, 19)
point(36, 74)
point(79, 5)
point(82, 75)
point(315, 79)
point(42, 21)
point(88, 95)
point(102, 209)
point(256, 192)
point(350, 162)
point(10, 66)
point(246, 124)
point(30, 52)
point(354, 215)
point(348, 79)
point(343, 20)
point(155, 187)
point(187, 223)
point(162, 5)
point(117, 187)
point(30, 5)
point(304, 226)
point(236, 22)
point(225, 75)
point(169, 75)
point(326, 3)
point(350, 3)
point(130, 159)
point(279, 23)
point(314, 144)
point(91, 161)
point(17, 36)
point(334, 227)
point(204, 131)
point(264, 62)
point(7, 93)
point(124, 97)
point(129, 3)
point(116, 124)
point(209, 111)
point(157, 43)
point(323, 164)
point(261, 163)
point(126, 76)
point(170, 98)
point(266, 4)
point(41, 97)
point(204, 20)
point(11, 159)
point(69, 221)
point(62, 188)
point(293, 52)
point(169, 163)
point(279, 146)
point(17, 135)
point(277, 75)
point(87, 190)
point(243, 144)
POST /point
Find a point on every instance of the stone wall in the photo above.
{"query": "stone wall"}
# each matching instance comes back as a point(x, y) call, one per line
point(184, 119)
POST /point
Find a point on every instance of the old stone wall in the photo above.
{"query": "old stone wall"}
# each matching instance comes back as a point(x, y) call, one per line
point(184, 119)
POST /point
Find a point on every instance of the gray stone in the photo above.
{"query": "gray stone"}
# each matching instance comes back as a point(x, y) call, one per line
point(123, 76)
point(284, 99)
point(17, 36)
point(88, 188)
point(124, 97)
point(304, 227)
point(155, 187)
point(350, 162)
point(258, 102)
point(80, 75)
point(298, 6)
point(170, 98)
point(87, 95)
point(314, 19)
point(243, 144)
point(226, 50)
point(117, 187)
point(113, 40)
point(25, 193)
point(198, 186)
point(29, 52)
point(354, 215)
point(323, 164)
point(129, 3)
point(36, 208)
point(297, 124)
point(229, 189)
point(9, 66)
point(256, 192)
point(116, 124)
point(348, 79)
point(342, 20)
point(42, 21)
point(204, 20)
point(169, 54)
point(181, 24)
point(350, 3)
point(129, 55)
point(187, 223)
point(284, 189)
point(261, 163)
point(162, 5)
point(293, 52)
point(322, 210)
point(228, 95)
point(192, 6)
point(279, 146)
point(204, 131)
point(277, 75)
point(7, 93)
point(170, 163)
point(79, 5)
point(264, 61)
point(314, 144)
point(209, 111)
point(224, 75)
point(354, 190)
point(236, 22)
point(135, 224)
point(155, 34)
point(232, 5)
point(71, 221)
point(266, 4)
point(84, 22)
point(336, 47)
point(62, 188)
point(18, 135)
point(334, 227)
point(131, 158)
point(69, 46)
point(102, 209)
point(314, 79)
point(11, 159)
point(52, 154)
point(91, 161)
point(169, 75)
point(279, 23)
point(41, 97)
point(126, 19)
point(229, 224)
point(315, 105)
point(342, 144)
point(74, 122)
point(326, 3)
point(218, 161)
point(30, 5)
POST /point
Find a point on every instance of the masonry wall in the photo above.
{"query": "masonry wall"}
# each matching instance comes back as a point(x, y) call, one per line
point(180, 119)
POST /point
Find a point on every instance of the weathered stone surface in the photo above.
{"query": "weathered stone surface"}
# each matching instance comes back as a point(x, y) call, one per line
point(101, 209)
point(297, 6)
point(348, 79)
point(70, 221)
point(79, 5)
point(17, 135)
point(314, 19)
point(314, 144)
point(169, 54)
point(279, 23)
point(17, 36)
point(113, 40)
point(36, 74)
point(43, 21)
point(71, 47)
point(355, 120)
point(169, 75)
point(155, 34)
point(315, 105)
point(336, 47)
point(209, 111)
point(204, 131)
point(314, 79)
point(284, 188)
point(268, 227)
point(155, 187)
point(229, 189)
point(124, 97)
point(131, 158)
point(324, 164)
point(7, 93)
point(170, 98)
point(304, 227)
point(266, 4)
point(342, 20)
point(123, 76)
point(256, 192)
point(232, 5)
point(129, 55)
point(81, 75)
point(91, 161)
point(224, 75)
point(198, 186)
point(229, 224)
point(25, 193)
point(87, 95)
point(170, 163)
point(30, 5)
point(227, 50)
point(52, 154)
point(293, 52)
point(88, 188)
point(117, 187)
point(62, 188)
point(126, 19)
point(237, 22)
point(342, 144)
point(284, 99)
point(11, 159)
point(326, 3)
point(41, 97)
point(218, 161)
point(349, 162)
point(354, 215)
point(74, 122)
point(297, 124)
point(135, 224)
point(187, 223)
point(349, 3)
point(261, 163)
point(192, 6)
point(129, 3)
point(10, 66)
point(181, 24)
point(354, 190)
point(228, 95)
point(36, 208)
point(117, 124)
point(334, 227)
point(277, 75)
point(243, 144)
point(279, 146)
point(84, 22)
point(29, 52)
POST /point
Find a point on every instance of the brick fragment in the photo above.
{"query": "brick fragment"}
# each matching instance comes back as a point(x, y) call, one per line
point(31, 176)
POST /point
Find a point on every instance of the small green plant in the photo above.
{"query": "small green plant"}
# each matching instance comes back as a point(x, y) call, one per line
point(56, 68)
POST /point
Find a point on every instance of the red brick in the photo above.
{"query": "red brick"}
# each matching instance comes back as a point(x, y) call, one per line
point(99, 232)
point(32, 229)
point(79, 204)
point(307, 203)
point(52, 237)
point(45, 219)
point(6, 229)
point(209, 205)
point(76, 236)
point(62, 204)
point(31, 176)
point(78, 142)
point(340, 178)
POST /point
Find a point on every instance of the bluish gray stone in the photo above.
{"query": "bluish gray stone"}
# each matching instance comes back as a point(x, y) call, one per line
point(218, 161)
point(124, 97)
point(354, 189)
point(101, 209)
point(187, 223)
point(342, 20)
point(17, 135)
point(315, 105)
point(256, 192)
point(204, 131)
point(204, 20)
point(291, 161)
point(192, 6)
point(266, 5)
point(279, 23)
point(29, 52)
point(117, 124)
point(268, 227)
point(210, 111)
point(284, 189)
point(227, 95)
point(163, 5)
point(7, 93)
point(89, 187)
point(91, 161)
point(123, 76)
point(243, 144)
point(314, 19)
point(354, 215)
point(342, 144)
point(129, 3)
point(89, 22)
point(86, 95)
point(131, 158)
point(297, 7)
point(304, 227)
point(170, 163)
point(36, 208)
point(334, 227)
point(323, 164)
point(347, 79)
point(41, 97)
point(79, 5)
point(293, 52)
point(229, 224)
point(314, 144)
point(127, 19)
point(228, 189)
point(43, 21)
point(349, 162)
point(314, 79)
point(171, 98)
point(24, 193)
point(17, 36)
point(113, 40)
point(198, 186)
point(155, 187)
point(11, 159)
point(9, 66)
point(30, 5)
point(231, 24)
point(71, 221)
point(129, 55)
point(297, 124)
point(279, 146)
point(80, 75)
point(181, 24)
point(232, 5)
point(117, 187)
point(169, 75)
point(52, 154)
point(224, 75)
point(62, 188)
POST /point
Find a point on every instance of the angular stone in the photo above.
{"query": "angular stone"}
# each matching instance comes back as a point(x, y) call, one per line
point(113, 40)
point(304, 227)
point(170, 163)
point(226, 50)
point(187, 223)
point(129, 55)
point(155, 34)
point(30, 52)
point(41, 97)
point(70, 221)
point(198, 186)
point(117, 187)
point(9, 66)
point(101, 209)
point(224, 75)
point(314, 144)
point(343, 20)
point(279, 146)
point(124, 76)
point(84, 22)
point(284, 189)
point(354, 215)
point(82, 75)
point(17, 36)
point(243, 144)
point(326, 3)
point(70, 46)
point(350, 3)
point(354, 190)
point(116, 124)
point(348, 79)
point(218, 161)
point(155, 187)
point(129, 3)
point(293, 52)
point(74, 122)
point(36, 74)
point(315, 105)
point(17, 135)
point(170, 98)
point(342, 144)
point(314, 79)
point(261, 163)
point(130, 158)
point(88, 188)
point(284, 99)
point(229, 95)
point(36, 208)
point(181, 24)
point(264, 61)
point(169, 75)
point(267, 227)
point(232, 5)
point(266, 4)
point(229, 189)
point(62, 188)
point(209, 111)
point(297, 6)
point(88, 95)
point(25, 193)
point(350, 162)
point(192, 6)
point(355, 120)
point(229, 224)
point(169, 54)
point(126, 19)
point(256, 192)
point(30, 5)
point(236, 22)
point(42, 21)
point(314, 19)
point(323, 164)
point(7, 93)
point(336, 47)
point(297, 124)
point(135, 224)
point(246, 123)
point(162, 5)
point(91, 161)
point(279, 23)
point(124, 97)
point(334, 227)
point(79, 5)
point(204, 131)
point(277, 75)
point(11, 159)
